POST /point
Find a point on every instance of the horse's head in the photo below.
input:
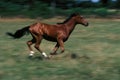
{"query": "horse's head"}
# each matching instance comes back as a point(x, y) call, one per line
point(80, 19)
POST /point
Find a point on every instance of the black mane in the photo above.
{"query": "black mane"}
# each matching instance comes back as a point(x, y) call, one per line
point(72, 15)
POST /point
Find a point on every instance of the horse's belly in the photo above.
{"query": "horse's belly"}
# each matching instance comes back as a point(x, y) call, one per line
point(49, 38)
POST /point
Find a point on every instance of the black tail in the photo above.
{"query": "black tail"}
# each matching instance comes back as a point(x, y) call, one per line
point(19, 33)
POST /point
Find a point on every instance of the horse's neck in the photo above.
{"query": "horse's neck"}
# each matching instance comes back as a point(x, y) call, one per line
point(70, 25)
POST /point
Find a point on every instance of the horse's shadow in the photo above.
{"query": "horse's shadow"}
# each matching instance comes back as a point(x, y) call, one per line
point(35, 58)
point(67, 55)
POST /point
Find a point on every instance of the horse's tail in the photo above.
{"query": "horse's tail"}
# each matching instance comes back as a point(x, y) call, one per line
point(19, 33)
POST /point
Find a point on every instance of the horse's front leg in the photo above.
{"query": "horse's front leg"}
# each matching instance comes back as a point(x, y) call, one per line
point(55, 49)
point(61, 43)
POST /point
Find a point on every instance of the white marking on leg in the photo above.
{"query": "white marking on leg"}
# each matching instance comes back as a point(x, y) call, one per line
point(31, 53)
point(44, 54)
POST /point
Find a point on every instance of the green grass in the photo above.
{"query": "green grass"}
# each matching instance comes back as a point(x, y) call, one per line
point(100, 43)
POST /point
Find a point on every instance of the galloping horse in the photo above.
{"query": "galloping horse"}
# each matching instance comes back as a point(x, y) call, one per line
point(57, 33)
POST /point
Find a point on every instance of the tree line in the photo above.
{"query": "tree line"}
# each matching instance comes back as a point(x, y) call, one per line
point(43, 7)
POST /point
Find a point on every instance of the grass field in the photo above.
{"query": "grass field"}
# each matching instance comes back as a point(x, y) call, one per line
point(97, 48)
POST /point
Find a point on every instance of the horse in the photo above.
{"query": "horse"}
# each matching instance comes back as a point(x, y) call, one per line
point(58, 33)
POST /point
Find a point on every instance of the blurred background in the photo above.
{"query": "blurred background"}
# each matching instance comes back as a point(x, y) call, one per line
point(92, 53)
point(51, 8)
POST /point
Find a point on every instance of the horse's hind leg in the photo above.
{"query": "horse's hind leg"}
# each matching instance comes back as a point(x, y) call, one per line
point(37, 44)
point(29, 43)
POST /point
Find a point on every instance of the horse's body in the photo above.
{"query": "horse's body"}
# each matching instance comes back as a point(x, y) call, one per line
point(51, 34)
point(57, 33)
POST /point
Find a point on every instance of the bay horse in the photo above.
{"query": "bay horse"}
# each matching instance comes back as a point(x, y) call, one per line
point(58, 33)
